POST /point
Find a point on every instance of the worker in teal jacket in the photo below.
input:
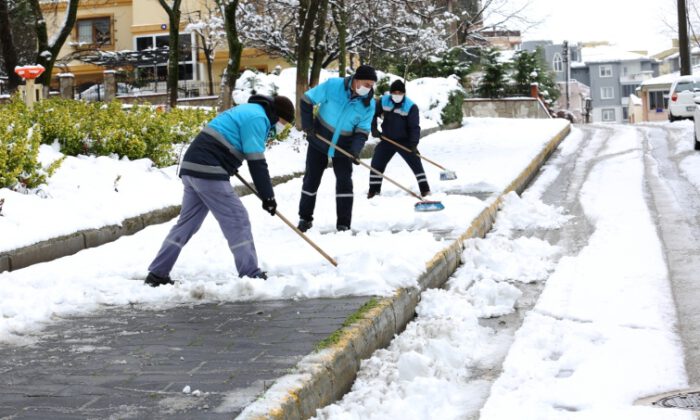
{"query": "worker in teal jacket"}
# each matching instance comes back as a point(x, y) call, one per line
point(234, 136)
point(345, 111)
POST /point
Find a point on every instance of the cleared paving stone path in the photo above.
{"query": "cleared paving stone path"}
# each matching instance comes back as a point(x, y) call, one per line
point(134, 363)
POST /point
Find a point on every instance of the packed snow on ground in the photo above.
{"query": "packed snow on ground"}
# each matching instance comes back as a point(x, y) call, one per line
point(388, 249)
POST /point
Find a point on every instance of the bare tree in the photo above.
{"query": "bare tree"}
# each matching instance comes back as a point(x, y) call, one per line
point(307, 20)
point(9, 52)
point(174, 13)
point(211, 34)
point(48, 49)
point(319, 45)
point(235, 49)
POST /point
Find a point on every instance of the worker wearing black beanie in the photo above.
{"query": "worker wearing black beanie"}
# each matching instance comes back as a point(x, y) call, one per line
point(343, 120)
point(400, 123)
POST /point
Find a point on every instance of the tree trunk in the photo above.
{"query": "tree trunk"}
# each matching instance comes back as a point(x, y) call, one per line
point(340, 16)
point(174, 49)
point(319, 45)
point(47, 54)
point(235, 49)
point(307, 19)
point(9, 53)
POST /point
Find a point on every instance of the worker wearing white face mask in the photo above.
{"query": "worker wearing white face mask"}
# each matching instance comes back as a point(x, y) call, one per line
point(235, 136)
point(346, 107)
point(401, 123)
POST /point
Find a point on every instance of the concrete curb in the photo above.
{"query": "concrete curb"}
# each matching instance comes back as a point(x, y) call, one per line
point(324, 377)
point(63, 246)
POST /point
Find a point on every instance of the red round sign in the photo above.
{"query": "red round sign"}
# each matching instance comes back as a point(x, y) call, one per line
point(29, 72)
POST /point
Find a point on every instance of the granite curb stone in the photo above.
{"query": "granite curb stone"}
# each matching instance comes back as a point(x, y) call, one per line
point(360, 339)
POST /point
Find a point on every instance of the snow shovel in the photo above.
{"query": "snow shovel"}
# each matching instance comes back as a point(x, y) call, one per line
point(422, 205)
point(294, 228)
point(445, 175)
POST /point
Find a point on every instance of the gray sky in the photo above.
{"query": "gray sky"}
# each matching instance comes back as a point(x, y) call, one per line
point(631, 24)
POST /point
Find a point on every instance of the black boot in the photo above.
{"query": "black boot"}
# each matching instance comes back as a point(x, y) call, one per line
point(155, 280)
point(372, 193)
point(342, 228)
point(304, 225)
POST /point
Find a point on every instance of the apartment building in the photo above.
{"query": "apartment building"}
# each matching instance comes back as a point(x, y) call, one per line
point(111, 26)
point(611, 74)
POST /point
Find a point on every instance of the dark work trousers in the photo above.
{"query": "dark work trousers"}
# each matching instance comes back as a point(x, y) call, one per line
point(200, 197)
point(316, 163)
point(381, 157)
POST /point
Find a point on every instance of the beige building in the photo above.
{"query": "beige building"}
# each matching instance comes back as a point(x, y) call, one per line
point(137, 25)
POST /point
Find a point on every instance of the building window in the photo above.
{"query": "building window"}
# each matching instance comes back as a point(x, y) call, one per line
point(607, 93)
point(628, 90)
point(557, 63)
point(657, 101)
point(609, 114)
point(94, 31)
point(605, 71)
point(186, 68)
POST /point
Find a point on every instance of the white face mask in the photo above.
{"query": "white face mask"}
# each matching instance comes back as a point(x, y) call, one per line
point(362, 90)
point(279, 127)
point(397, 98)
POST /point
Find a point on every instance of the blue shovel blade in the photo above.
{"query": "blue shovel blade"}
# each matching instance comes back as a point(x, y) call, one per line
point(429, 206)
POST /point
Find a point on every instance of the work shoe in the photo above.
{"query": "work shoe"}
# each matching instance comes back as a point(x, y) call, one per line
point(261, 275)
point(342, 228)
point(371, 194)
point(155, 280)
point(304, 225)
point(424, 193)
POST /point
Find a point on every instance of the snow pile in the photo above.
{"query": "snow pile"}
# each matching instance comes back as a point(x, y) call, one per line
point(431, 366)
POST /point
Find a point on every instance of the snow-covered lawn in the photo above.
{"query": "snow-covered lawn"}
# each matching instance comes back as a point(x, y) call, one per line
point(389, 249)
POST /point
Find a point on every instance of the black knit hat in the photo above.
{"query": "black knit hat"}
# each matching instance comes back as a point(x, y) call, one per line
point(365, 72)
point(284, 108)
point(397, 86)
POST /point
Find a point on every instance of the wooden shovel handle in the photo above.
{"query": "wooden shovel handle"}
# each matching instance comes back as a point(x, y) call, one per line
point(294, 228)
point(401, 146)
point(348, 154)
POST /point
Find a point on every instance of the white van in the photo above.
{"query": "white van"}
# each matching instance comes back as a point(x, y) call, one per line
point(680, 98)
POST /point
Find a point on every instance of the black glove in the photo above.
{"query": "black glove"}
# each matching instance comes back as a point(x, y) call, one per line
point(376, 133)
point(310, 132)
point(270, 205)
point(414, 149)
point(355, 158)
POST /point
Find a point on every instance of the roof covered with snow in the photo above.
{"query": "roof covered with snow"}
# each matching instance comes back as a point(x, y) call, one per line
point(607, 54)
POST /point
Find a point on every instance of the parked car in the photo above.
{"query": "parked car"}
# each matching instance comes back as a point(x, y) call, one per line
point(681, 104)
point(96, 92)
point(697, 123)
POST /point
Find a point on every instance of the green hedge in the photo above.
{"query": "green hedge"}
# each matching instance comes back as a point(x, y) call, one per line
point(95, 128)
point(19, 148)
point(101, 129)
point(452, 112)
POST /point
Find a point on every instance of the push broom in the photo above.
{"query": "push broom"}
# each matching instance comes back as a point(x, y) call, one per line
point(421, 206)
point(445, 175)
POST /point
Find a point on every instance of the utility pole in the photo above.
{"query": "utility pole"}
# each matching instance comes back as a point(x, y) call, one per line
point(567, 68)
point(683, 45)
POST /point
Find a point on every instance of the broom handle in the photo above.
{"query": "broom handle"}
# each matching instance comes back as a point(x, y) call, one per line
point(401, 146)
point(294, 228)
point(348, 154)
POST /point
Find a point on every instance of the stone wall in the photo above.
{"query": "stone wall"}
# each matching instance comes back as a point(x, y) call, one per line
point(504, 108)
